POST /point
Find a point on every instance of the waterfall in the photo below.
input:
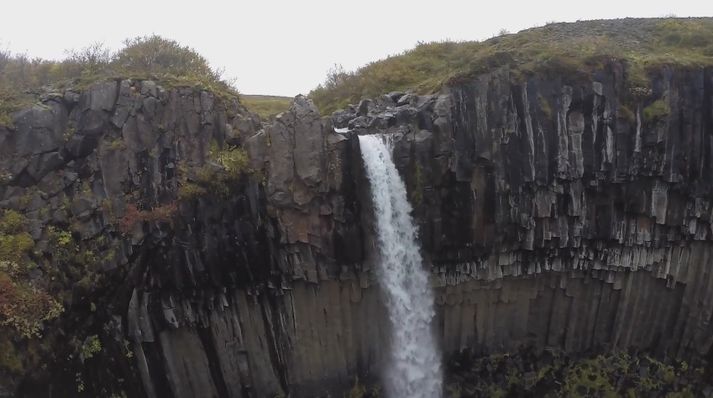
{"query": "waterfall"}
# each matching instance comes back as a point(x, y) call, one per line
point(414, 367)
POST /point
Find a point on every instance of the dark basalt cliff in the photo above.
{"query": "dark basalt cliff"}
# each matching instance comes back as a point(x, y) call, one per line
point(573, 212)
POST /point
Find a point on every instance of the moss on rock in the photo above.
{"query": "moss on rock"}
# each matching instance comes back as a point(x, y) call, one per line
point(659, 109)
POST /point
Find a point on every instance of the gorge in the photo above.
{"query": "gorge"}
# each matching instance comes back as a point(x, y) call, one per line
point(197, 250)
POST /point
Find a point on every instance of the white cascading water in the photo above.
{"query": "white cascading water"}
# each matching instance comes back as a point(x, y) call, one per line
point(414, 369)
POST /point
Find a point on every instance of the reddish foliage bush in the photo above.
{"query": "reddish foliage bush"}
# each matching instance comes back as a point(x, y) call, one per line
point(24, 307)
point(133, 215)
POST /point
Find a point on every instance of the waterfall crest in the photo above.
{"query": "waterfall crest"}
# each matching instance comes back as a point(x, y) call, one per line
point(414, 369)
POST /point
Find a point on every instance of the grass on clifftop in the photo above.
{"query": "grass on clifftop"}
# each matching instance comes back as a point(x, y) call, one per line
point(266, 106)
point(23, 79)
point(554, 48)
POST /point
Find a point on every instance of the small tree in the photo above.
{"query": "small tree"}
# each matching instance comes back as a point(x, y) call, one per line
point(336, 75)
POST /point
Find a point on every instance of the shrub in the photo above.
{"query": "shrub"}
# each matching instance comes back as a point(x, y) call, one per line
point(12, 222)
point(658, 110)
point(61, 245)
point(22, 79)
point(555, 374)
point(358, 390)
point(90, 346)
point(24, 307)
point(87, 62)
point(589, 378)
point(626, 114)
point(234, 160)
point(15, 247)
point(168, 61)
point(117, 145)
point(224, 167)
point(10, 102)
point(15, 242)
point(189, 190)
point(133, 216)
point(155, 55)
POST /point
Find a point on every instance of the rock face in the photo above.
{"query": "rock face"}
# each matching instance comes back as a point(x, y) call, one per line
point(559, 212)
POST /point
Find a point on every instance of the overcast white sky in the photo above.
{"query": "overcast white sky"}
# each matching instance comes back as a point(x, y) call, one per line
point(286, 47)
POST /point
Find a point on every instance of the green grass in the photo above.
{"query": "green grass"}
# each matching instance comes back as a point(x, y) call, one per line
point(24, 79)
point(574, 49)
point(267, 106)
point(659, 109)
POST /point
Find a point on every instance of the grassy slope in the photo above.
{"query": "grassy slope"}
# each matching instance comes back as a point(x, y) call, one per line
point(23, 80)
point(579, 46)
point(266, 106)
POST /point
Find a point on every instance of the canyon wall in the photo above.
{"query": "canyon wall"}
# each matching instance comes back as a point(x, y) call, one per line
point(560, 211)
point(570, 212)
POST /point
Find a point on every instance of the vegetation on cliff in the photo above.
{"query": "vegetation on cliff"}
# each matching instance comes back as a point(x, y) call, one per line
point(45, 285)
point(65, 243)
point(578, 47)
point(555, 374)
point(24, 79)
point(24, 304)
point(218, 177)
point(552, 373)
point(266, 106)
